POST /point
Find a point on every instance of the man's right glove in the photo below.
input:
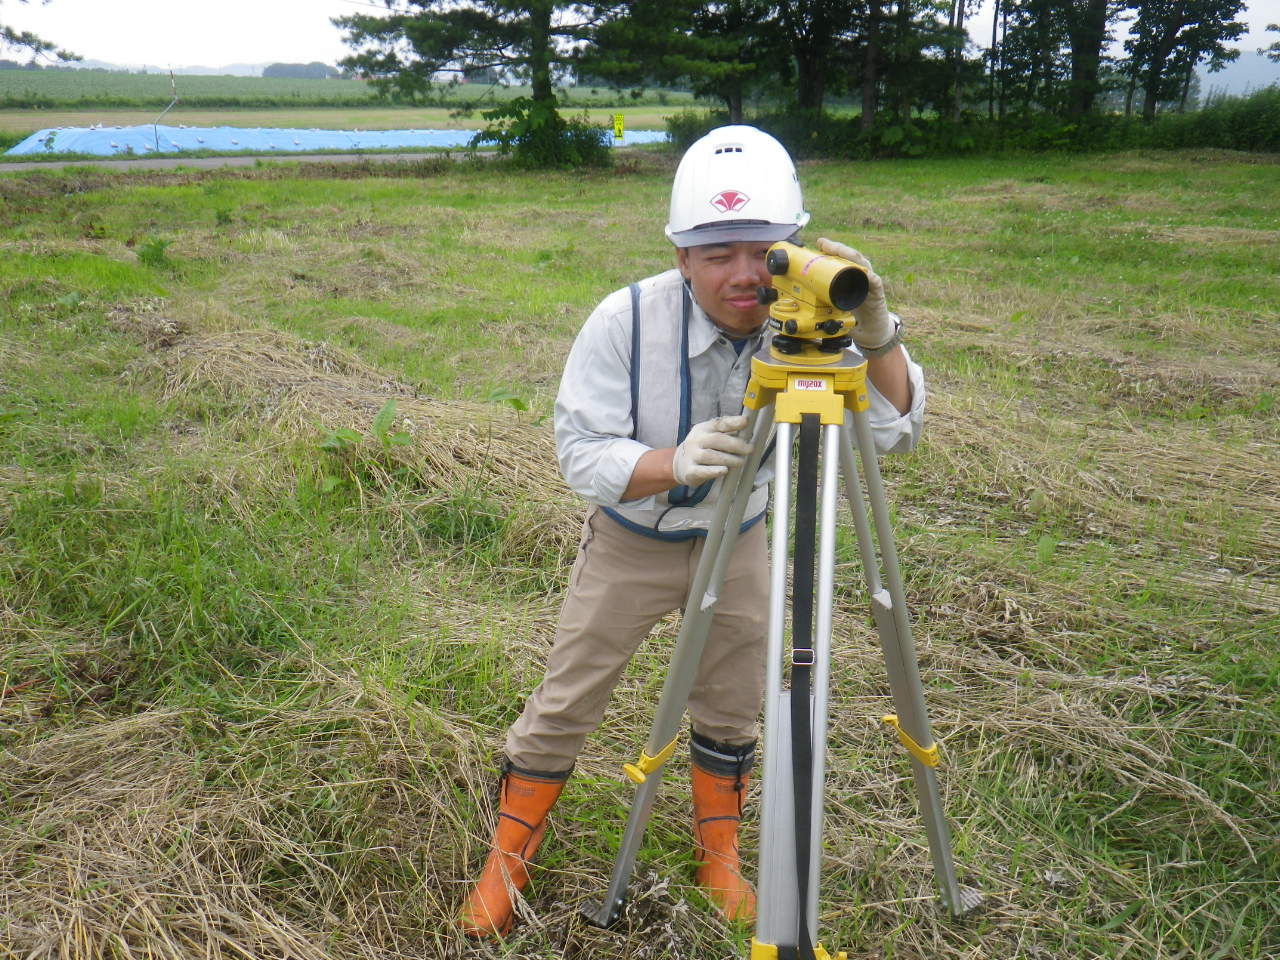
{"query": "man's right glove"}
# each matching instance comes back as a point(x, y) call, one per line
point(875, 330)
point(709, 450)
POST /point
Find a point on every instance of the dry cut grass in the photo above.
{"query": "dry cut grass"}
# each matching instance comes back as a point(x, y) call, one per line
point(302, 389)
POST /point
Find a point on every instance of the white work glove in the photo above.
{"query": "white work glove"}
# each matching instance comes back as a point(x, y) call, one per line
point(875, 326)
point(709, 450)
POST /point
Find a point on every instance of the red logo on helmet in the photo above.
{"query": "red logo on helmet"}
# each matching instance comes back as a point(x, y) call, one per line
point(727, 201)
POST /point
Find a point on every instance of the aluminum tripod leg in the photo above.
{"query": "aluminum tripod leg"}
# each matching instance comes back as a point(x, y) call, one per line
point(776, 907)
point(894, 627)
point(779, 909)
point(699, 608)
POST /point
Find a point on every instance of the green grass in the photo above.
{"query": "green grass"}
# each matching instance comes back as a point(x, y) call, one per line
point(255, 679)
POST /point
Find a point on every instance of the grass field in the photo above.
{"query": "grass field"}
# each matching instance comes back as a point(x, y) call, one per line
point(257, 651)
point(73, 85)
point(53, 89)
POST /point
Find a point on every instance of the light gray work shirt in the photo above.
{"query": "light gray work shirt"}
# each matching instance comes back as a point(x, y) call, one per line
point(598, 439)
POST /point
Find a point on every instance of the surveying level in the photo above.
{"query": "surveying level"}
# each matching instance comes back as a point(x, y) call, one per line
point(812, 294)
point(803, 382)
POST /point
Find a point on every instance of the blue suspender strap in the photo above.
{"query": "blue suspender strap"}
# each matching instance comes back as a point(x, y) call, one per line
point(635, 359)
point(686, 401)
point(683, 496)
point(655, 534)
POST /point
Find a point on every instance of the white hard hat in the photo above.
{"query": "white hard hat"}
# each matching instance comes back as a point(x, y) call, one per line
point(736, 183)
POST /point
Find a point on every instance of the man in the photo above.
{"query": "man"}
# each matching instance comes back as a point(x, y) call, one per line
point(647, 418)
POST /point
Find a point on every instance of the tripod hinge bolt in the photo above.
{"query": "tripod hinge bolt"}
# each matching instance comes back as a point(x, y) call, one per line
point(929, 756)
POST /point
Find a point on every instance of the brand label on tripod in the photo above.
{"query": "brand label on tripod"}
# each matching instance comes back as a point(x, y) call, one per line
point(811, 383)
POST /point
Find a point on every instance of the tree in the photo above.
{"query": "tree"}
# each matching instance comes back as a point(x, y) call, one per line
point(1169, 37)
point(902, 53)
point(1051, 57)
point(721, 49)
point(1272, 52)
point(872, 58)
point(1087, 31)
point(23, 40)
point(955, 53)
point(1035, 65)
point(403, 52)
point(726, 47)
point(734, 40)
point(815, 36)
point(999, 26)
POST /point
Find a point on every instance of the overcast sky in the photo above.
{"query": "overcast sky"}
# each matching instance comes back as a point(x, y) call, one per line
point(214, 33)
point(179, 33)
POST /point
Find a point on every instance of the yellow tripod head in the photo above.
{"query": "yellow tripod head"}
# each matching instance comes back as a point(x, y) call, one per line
point(811, 303)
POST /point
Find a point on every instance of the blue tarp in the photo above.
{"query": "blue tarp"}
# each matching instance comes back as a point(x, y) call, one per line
point(143, 140)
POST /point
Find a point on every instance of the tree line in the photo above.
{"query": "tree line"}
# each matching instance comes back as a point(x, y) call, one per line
point(894, 59)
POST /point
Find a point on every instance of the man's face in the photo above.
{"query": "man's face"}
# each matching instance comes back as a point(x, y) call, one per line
point(724, 278)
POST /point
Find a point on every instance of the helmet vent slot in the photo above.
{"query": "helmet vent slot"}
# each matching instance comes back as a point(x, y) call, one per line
point(729, 148)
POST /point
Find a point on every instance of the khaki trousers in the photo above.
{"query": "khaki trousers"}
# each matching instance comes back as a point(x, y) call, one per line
point(622, 584)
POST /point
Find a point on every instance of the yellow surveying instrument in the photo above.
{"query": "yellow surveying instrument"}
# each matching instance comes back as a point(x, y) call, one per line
point(808, 389)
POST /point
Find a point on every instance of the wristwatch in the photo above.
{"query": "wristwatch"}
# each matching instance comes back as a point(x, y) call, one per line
point(887, 345)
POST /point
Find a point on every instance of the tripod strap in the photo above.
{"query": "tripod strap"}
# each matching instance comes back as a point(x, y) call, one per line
point(635, 358)
point(802, 586)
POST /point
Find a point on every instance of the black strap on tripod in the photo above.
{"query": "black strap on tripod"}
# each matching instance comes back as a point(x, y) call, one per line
point(802, 577)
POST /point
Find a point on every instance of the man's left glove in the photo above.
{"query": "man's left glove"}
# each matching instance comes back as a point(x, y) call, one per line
point(709, 450)
point(875, 327)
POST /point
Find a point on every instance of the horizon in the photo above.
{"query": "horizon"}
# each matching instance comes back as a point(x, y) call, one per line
point(1251, 72)
point(300, 31)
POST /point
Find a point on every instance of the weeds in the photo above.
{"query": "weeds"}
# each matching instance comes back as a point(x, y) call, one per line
point(153, 251)
point(345, 443)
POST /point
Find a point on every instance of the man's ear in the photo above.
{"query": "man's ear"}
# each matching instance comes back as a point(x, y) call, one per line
point(682, 261)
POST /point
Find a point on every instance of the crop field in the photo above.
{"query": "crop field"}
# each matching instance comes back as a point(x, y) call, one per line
point(282, 542)
point(74, 85)
point(54, 89)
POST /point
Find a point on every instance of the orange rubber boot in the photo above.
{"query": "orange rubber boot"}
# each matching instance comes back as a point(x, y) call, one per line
point(717, 811)
point(522, 823)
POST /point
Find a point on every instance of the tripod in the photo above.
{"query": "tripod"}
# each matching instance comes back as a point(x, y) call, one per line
point(799, 388)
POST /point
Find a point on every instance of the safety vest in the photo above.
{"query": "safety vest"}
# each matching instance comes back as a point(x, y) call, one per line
point(663, 408)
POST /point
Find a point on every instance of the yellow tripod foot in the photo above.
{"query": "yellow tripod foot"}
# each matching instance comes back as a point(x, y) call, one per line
point(769, 951)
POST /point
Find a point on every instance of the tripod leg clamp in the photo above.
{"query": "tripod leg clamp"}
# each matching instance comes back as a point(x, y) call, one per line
point(929, 756)
point(639, 771)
